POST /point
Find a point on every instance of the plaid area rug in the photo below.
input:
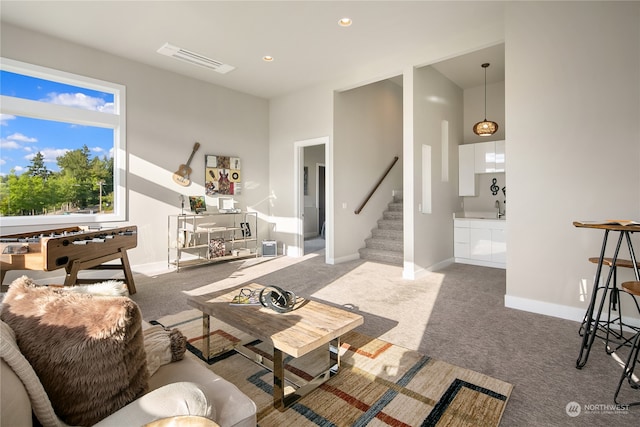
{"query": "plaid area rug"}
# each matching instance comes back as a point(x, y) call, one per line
point(379, 383)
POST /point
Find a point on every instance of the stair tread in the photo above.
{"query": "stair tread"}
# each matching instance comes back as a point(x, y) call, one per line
point(386, 242)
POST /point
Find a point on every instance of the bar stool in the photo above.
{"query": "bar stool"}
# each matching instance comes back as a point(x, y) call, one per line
point(613, 327)
point(632, 288)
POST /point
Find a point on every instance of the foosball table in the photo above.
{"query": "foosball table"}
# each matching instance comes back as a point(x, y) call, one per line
point(73, 248)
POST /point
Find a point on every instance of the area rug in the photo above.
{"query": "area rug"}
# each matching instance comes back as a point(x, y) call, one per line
point(379, 383)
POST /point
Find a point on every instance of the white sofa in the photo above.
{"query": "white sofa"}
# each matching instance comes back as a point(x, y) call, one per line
point(185, 387)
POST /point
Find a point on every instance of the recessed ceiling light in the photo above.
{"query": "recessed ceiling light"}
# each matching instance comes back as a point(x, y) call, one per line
point(267, 58)
point(345, 22)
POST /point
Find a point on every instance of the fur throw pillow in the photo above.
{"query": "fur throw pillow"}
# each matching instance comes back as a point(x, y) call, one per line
point(87, 351)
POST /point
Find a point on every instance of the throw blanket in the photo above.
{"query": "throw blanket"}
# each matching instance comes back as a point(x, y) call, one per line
point(163, 346)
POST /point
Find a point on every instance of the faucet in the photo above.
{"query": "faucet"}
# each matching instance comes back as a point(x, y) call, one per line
point(500, 214)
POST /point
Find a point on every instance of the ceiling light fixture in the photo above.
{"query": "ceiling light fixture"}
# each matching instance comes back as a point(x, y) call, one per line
point(485, 127)
point(345, 22)
point(267, 58)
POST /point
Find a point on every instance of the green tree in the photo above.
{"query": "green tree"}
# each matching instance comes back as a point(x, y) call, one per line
point(75, 164)
point(82, 182)
point(37, 167)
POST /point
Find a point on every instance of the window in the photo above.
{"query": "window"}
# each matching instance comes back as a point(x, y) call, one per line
point(62, 147)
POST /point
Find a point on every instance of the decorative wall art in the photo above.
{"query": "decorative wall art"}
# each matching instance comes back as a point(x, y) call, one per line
point(197, 204)
point(222, 175)
point(495, 188)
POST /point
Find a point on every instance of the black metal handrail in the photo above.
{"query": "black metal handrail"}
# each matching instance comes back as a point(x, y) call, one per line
point(357, 211)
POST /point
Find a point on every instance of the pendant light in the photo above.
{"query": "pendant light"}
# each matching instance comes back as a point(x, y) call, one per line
point(485, 127)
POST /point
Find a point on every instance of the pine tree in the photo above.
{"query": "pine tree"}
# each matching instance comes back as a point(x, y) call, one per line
point(37, 167)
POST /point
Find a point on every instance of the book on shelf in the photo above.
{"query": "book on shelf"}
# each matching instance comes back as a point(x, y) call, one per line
point(246, 297)
point(611, 222)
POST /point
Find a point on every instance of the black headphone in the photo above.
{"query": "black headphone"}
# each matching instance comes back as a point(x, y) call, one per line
point(277, 299)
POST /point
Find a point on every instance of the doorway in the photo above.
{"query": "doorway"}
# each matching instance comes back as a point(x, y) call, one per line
point(314, 193)
point(312, 202)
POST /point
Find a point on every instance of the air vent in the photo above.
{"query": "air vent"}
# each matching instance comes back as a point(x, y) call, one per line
point(194, 58)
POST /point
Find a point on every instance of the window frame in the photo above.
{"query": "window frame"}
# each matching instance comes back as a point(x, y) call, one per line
point(46, 111)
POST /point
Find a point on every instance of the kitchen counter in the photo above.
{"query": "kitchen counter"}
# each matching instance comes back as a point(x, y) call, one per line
point(480, 238)
point(479, 215)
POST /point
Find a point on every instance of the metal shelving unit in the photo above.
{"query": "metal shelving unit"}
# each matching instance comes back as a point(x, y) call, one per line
point(196, 239)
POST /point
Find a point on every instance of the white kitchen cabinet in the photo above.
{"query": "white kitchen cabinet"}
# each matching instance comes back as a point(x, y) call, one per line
point(501, 156)
point(485, 157)
point(461, 239)
point(490, 157)
point(466, 171)
point(499, 246)
point(480, 242)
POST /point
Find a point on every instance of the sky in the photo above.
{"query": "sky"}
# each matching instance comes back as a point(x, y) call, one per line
point(21, 138)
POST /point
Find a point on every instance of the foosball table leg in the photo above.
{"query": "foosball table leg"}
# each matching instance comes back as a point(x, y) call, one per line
point(75, 266)
point(128, 275)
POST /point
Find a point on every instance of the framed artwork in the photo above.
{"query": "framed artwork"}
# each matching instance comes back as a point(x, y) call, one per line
point(246, 229)
point(222, 175)
point(197, 204)
point(306, 181)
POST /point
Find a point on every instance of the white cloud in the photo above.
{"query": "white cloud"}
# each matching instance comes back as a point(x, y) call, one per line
point(101, 152)
point(5, 144)
point(3, 162)
point(4, 119)
point(80, 100)
point(21, 138)
point(49, 154)
point(18, 169)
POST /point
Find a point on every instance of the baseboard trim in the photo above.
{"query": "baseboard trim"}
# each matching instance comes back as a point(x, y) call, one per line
point(347, 258)
point(555, 310)
point(409, 274)
point(546, 308)
point(481, 263)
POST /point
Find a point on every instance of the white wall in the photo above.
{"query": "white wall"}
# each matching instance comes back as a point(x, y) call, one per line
point(573, 109)
point(166, 115)
point(485, 200)
point(301, 116)
point(435, 98)
point(367, 136)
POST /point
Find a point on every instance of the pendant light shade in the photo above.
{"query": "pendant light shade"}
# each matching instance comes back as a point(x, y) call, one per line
point(485, 127)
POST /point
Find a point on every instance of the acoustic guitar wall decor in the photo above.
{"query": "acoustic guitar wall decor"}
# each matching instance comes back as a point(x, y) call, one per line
point(183, 175)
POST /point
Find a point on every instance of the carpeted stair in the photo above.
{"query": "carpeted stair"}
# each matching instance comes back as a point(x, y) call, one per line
point(386, 241)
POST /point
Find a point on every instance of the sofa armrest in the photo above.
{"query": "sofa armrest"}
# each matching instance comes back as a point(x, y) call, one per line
point(181, 398)
point(16, 406)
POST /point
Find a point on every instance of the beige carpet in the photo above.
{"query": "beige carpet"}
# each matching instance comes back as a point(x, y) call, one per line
point(379, 383)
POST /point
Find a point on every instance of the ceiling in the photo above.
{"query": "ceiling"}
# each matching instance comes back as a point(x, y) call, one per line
point(308, 45)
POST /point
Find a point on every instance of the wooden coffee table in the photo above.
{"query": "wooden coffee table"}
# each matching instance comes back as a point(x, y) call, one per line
point(308, 327)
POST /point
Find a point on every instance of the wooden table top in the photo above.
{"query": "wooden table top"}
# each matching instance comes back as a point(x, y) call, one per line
point(310, 325)
point(614, 225)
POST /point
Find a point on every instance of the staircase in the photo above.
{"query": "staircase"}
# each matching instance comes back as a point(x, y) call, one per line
point(386, 242)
